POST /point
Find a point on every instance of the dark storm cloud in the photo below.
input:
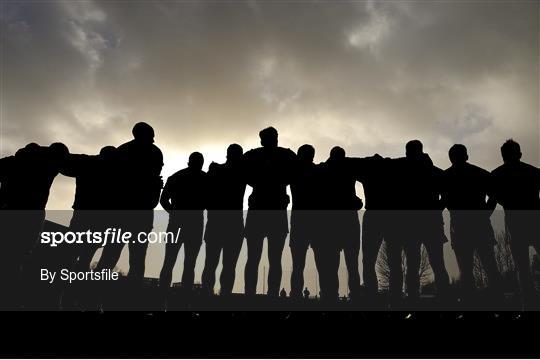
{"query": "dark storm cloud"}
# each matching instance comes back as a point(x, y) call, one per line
point(364, 75)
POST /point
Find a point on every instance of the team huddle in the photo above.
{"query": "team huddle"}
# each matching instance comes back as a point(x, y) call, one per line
point(404, 202)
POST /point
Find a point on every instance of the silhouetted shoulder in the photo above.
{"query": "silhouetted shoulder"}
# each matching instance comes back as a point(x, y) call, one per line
point(156, 152)
point(178, 175)
point(287, 152)
point(7, 165)
point(253, 153)
point(215, 168)
point(78, 164)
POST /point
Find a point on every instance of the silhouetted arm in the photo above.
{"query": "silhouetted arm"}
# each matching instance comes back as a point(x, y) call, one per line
point(6, 166)
point(438, 188)
point(444, 190)
point(493, 190)
point(247, 167)
point(491, 202)
point(291, 166)
point(155, 190)
point(537, 172)
point(363, 167)
point(76, 164)
point(165, 199)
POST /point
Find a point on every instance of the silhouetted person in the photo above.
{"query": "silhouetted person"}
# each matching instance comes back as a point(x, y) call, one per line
point(376, 178)
point(420, 223)
point(96, 187)
point(225, 220)
point(95, 196)
point(304, 191)
point(25, 180)
point(139, 187)
point(306, 293)
point(268, 171)
point(516, 185)
point(465, 190)
point(184, 198)
point(341, 223)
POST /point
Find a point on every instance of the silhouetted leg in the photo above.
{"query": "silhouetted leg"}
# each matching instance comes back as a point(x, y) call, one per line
point(85, 258)
point(251, 272)
point(10, 266)
point(298, 253)
point(352, 252)
point(520, 253)
point(412, 277)
point(394, 252)
point(517, 225)
point(276, 243)
point(322, 268)
point(171, 254)
point(137, 257)
point(84, 293)
point(465, 257)
point(327, 263)
point(436, 260)
point(211, 261)
point(486, 253)
point(231, 251)
point(34, 292)
point(191, 249)
point(110, 256)
point(371, 243)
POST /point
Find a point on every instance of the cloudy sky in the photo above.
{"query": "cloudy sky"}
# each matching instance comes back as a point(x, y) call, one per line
point(365, 75)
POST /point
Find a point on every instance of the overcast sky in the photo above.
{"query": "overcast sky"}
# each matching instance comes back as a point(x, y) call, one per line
point(365, 75)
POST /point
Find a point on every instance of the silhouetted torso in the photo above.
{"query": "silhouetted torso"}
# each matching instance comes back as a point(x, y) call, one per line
point(268, 171)
point(305, 187)
point(338, 186)
point(140, 168)
point(516, 186)
point(466, 187)
point(419, 183)
point(28, 179)
point(95, 182)
point(226, 187)
point(376, 178)
point(187, 189)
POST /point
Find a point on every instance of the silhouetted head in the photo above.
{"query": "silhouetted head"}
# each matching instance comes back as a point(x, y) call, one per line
point(59, 151)
point(414, 149)
point(234, 153)
point(458, 154)
point(337, 153)
point(29, 149)
point(143, 132)
point(107, 152)
point(306, 153)
point(510, 151)
point(196, 161)
point(269, 137)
